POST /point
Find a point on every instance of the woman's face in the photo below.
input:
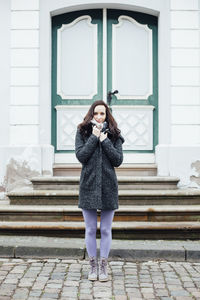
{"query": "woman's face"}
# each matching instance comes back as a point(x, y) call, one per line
point(100, 113)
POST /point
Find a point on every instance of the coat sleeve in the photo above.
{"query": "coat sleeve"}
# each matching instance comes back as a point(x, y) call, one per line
point(84, 149)
point(113, 151)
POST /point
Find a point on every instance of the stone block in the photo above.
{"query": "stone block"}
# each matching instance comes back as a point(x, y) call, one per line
point(48, 252)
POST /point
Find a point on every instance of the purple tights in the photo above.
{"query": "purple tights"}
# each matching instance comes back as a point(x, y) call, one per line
point(90, 218)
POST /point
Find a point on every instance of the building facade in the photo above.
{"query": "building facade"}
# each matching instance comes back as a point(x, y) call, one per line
point(59, 56)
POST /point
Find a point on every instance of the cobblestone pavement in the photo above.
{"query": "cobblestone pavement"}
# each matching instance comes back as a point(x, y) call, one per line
point(67, 279)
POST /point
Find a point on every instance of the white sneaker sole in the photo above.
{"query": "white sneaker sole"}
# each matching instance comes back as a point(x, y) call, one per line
point(92, 279)
point(104, 279)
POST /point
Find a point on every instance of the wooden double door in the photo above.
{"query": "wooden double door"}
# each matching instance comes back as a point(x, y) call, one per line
point(98, 51)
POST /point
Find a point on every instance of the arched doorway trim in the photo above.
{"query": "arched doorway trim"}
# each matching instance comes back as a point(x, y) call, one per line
point(48, 8)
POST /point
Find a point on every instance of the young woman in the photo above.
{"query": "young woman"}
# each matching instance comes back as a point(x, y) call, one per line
point(98, 147)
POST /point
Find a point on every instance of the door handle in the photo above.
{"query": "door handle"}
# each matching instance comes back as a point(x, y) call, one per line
point(109, 96)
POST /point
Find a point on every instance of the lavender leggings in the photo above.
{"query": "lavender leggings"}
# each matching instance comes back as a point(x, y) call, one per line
point(90, 217)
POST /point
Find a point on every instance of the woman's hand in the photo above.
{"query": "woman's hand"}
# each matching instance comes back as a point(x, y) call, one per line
point(103, 136)
point(96, 131)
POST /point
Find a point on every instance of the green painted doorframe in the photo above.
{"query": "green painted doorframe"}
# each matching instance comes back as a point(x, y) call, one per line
point(152, 22)
point(57, 21)
point(112, 18)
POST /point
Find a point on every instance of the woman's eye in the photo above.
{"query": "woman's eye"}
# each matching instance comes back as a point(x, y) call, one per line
point(102, 114)
point(95, 114)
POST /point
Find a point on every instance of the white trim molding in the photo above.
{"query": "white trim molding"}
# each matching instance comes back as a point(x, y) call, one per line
point(68, 107)
point(5, 74)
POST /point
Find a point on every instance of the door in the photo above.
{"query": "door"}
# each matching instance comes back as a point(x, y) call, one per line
point(99, 51)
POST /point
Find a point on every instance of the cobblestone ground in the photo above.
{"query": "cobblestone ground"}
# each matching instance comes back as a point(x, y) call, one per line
point(67, 279)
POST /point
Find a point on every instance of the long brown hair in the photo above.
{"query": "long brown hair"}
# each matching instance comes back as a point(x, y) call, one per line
point(86, 128)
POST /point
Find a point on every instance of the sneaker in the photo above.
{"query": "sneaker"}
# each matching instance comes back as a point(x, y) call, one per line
point(103, 273)
point(93, 268)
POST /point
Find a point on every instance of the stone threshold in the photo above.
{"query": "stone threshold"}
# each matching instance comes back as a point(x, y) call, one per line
point(135, 250)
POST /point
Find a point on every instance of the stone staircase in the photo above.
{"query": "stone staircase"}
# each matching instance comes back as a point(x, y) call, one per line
point(150, 207)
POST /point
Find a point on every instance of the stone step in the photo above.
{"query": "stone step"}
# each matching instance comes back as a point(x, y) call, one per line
point(125, 213)
point(122, 230)
point(124, 182)
point(4, 202)
point(126, 197)
point(124, 169)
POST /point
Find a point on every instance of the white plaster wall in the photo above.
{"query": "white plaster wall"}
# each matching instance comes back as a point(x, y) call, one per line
point(24, 62)
point(181, 157)
point(20, 163)
point(21, 154)
point(185, 72)
point(5, 70)
point(180, 161)
point(4, 80)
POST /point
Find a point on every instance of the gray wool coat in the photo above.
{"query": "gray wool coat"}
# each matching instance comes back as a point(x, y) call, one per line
point(98, 187)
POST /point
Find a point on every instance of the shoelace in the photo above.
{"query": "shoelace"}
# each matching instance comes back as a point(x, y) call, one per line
point(93, 265)
point(103, 267)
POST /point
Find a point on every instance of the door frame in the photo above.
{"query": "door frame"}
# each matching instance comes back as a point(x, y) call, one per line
point(158, 8)
point(105, 19)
